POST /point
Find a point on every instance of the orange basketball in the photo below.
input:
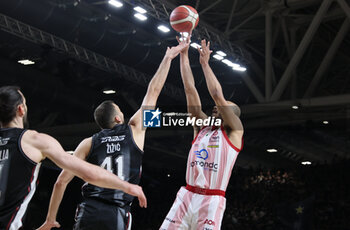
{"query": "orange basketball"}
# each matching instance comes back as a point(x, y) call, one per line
point(184, 18)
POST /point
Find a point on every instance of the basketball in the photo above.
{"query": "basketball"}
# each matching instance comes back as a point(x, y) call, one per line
point(184, 18)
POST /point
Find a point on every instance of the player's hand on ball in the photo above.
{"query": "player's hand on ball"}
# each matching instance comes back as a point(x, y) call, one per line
point(187, 40)
point(136, 190)
point(204, 53)
point(174, 51)
point(48, 225)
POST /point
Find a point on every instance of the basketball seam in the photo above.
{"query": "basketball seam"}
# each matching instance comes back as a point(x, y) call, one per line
point(180, 21)
point(193, 16)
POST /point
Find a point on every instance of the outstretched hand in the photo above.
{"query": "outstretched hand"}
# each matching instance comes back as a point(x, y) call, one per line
point(174, 51)
point(204, 53)
point(136, 190)
point(187, 39)
point(48, 225)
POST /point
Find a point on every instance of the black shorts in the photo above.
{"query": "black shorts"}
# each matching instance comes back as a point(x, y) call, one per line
point(93, 214)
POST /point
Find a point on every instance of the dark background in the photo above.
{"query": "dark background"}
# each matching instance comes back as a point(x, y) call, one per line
point(64, 86)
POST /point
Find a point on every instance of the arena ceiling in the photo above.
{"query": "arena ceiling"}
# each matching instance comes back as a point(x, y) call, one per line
point(296, 53)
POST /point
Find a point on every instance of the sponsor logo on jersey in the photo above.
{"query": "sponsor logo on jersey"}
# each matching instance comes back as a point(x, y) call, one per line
point(151, 118)
point(209, 222)
point(4, 141)
point(213, 146)
point(202, 154)
point(112, 138)
point(4, 154)
point(214, 139)
point(206, 165)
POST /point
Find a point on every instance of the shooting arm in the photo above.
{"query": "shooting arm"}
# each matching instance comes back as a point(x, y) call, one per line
point(215, 90)
point(154, 88)
point(193, 100)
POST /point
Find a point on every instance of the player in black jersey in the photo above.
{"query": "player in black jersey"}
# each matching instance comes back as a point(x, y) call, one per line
point(117, 148)
point(21, 152)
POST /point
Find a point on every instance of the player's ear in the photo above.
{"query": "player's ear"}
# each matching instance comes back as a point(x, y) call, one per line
point(117, 119)
point(21, 110)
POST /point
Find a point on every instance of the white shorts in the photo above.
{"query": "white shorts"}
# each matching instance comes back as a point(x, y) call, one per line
point(195, 211)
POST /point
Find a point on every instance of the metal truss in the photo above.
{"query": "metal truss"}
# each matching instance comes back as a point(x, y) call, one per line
point(161, 10)
point(35, 35)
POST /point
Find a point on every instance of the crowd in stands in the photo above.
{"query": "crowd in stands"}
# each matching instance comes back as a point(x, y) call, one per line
point(311, 197)
point(307, 197)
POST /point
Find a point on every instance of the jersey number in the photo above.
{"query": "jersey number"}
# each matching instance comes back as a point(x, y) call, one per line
point(108, 165)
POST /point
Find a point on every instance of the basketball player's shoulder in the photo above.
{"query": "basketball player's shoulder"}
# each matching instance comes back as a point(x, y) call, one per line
point(87, 142)
point(31, 136)
point(36, 139)
point(34, 136)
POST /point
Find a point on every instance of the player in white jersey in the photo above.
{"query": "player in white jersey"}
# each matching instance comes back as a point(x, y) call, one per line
point(201, 204)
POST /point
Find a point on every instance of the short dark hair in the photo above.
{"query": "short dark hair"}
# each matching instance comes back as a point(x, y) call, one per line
point(104, 114)
point(10, 98)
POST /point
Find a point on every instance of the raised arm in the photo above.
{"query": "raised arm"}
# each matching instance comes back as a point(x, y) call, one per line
point(226, 109)
point(154, 88)
point(60, 186)
point(194, 106)
point(49, 147)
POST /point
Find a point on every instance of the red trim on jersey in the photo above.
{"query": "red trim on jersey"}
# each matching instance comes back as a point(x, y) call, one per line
point(127, 225)
point(229, 142)
point(198, 134)
point(203, 191)
point(17, 208)
point(13, 216)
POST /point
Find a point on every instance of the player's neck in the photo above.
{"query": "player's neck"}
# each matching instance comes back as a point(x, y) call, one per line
point(15, 123)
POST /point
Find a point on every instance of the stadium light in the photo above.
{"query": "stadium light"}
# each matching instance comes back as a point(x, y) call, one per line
point(306, 163)
point(295, 107)
point(230, 63)
point(140, 10)
point(110, 91)
point(163, 28)
point(26, 62)
point(218, 57)
point(195, 45)
point(272, 150)
point(221, 53)
point(239, 68)
point(115, 3)
point(140, 16)
point(325, 122)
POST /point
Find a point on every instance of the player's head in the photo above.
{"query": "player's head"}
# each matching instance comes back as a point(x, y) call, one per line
point(233, 106)
point(108, 114)
point(12, 106)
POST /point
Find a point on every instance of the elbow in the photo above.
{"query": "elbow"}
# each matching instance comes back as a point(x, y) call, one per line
point(216, 94)
point(60, 183)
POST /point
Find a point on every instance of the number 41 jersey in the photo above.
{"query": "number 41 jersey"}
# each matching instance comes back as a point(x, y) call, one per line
point(115, 150)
